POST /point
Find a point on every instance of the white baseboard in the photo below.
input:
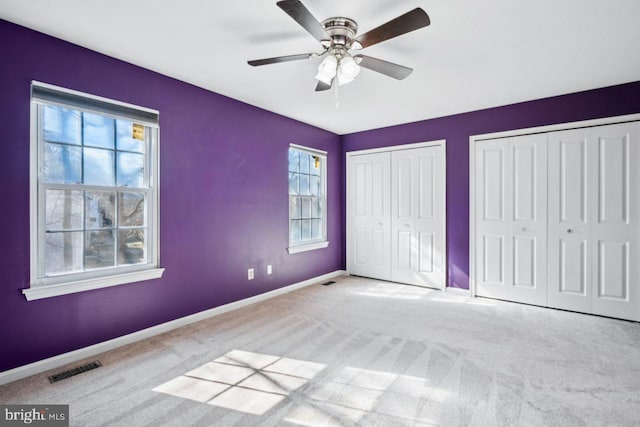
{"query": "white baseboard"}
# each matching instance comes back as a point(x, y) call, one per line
point(458, 291)
point(93, 350)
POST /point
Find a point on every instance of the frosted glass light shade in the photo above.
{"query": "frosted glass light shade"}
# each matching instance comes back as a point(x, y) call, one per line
point(327, 69)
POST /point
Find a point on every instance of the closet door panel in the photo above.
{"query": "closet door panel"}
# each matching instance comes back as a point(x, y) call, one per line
point(571, 158)
point(368, 242)
point(528, 218)
point(616, 231)
point(493, 231)
point(511, 212)
point(417, 202)
point(429, 216)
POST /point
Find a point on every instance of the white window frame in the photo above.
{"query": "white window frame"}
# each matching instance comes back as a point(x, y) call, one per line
point(42, 286)
point(319, 243)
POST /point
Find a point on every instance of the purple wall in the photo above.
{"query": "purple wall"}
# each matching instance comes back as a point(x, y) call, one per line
point(223, 201)
point(610, 101)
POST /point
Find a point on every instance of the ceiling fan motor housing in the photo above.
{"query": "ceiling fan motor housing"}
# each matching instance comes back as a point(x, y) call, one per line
point(342, 31)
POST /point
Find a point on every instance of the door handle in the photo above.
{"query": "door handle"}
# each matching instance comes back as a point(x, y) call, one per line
point(569, 230)
point(524, 228)
point(406, 225)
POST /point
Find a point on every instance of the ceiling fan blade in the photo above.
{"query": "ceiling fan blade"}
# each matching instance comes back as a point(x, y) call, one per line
point(390, 69)
point(296, 10)
point(322, 86)
point(278, 59)
point(410, 21)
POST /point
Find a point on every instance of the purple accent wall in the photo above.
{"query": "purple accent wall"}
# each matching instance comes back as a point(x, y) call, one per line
point(223, 201)
point(456, 129)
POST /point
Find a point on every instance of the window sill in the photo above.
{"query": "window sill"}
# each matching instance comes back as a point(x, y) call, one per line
point(36, 292)
point(308, 247)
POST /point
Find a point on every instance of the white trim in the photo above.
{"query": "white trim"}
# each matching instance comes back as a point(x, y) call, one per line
point(507, 134)
point(308, 149)
point(93, 350)
point(557, 127)
point(95, 97)
point(307, 247)
point(436, 143)
point(47, 291)
point(33, 191)
point(398, 147)
point(445, 259)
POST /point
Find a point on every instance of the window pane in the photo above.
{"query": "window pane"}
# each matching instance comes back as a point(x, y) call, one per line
point(316, 208)
point(305, 230)
point(306, 208)
point(130, 170)
point(97, 131)
point(304, 185)
point(294, 231)
point(98, 167)
point(294, 156)
point(131, 209)
point(125, 140)
point(61, 164)
point(294, 207)
point(304, 162)
point(61, 125)
point(293, 183)
point(99, 249)
point(131, 246)
point(316, 229)
point(63, 252)
point(314, 183)
point(315, 165)
point(100, 209)
point(63, 210)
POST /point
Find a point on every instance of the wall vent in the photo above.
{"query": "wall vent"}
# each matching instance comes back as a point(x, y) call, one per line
point(74, 371)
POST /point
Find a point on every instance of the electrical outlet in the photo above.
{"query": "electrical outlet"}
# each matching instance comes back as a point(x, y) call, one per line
point(250, 274)
point(269, 269)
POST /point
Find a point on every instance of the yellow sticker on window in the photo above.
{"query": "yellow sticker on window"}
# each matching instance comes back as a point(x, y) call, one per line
point(138, 132)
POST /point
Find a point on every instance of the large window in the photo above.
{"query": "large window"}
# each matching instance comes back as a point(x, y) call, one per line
point(307, 199)
point(94, 192)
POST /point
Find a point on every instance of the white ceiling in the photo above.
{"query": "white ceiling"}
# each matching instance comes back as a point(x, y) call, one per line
point(474, 55)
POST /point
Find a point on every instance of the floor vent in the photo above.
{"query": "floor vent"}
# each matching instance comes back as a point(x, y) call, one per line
point(330, 282)
point(75, 371)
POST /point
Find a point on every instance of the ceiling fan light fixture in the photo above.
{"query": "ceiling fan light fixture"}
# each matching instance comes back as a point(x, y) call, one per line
point(327, 69)
point(348, 70)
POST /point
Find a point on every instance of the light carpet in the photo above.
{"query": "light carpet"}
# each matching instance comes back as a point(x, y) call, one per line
point(368, 353)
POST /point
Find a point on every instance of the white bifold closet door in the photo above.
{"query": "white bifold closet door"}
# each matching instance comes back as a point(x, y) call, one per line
point(369, 222)
point(594, 214)
point(557, 219)
point(395, 216)
point(511, 207)
point(417, 219)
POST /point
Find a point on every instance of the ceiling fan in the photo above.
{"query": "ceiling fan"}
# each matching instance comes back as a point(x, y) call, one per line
point(338, 38)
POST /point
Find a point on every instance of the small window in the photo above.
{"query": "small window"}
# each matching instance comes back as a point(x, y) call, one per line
point(94, 192)
point(307, 199)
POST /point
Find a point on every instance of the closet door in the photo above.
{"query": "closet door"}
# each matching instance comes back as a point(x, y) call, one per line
point(493, 240)
point(572, 160)
point(417, 216)
point(511, 207)
point(616, 219)
point(368, 204)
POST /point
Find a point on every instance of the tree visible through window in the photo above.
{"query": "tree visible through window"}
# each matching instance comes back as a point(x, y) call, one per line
point(307, 199)
point(103, 224)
